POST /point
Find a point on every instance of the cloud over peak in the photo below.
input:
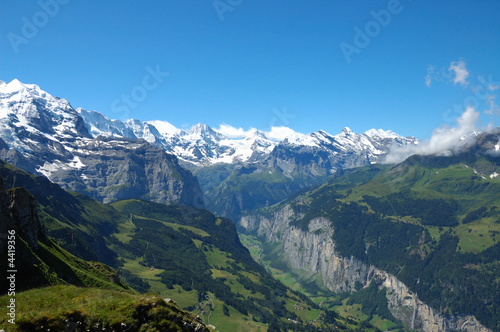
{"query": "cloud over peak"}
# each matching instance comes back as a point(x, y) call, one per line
point(444, 140)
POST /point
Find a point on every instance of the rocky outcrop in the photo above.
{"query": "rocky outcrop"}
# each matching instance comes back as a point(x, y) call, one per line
point(110, 169)
point(18, 213)
point(313, 254)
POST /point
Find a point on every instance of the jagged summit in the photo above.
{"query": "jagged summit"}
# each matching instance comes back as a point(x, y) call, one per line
point(25, 107)
point(347, 131)
point(204, 132)
point(381, 133)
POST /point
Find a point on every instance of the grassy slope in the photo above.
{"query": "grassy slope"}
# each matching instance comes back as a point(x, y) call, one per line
point(79, 223)
point(60, 307)
point(52, 265)
point(133, 235)
point(459, 182)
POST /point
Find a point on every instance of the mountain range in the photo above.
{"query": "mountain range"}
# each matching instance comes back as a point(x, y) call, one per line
point(45, 135)
point(86, 152)
point(203, 146)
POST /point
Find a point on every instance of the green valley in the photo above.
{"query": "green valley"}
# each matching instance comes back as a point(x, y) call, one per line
point(183, 254)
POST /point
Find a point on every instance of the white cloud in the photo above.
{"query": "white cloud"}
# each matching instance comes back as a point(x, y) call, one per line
point(461, 73)
point(428, 78)
point(281, 132)
point(444, 140)
point(277, 133)
point(233, 132)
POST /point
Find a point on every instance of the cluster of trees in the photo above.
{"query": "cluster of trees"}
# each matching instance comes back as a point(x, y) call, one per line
point(373, 301)
point(432, 212)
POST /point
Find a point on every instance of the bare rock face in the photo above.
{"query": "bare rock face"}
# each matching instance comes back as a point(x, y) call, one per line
point(24, 217)
point(18, 213)
point(313, 253)
point(110, 169)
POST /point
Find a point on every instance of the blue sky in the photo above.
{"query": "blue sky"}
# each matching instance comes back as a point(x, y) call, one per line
point(260, 63)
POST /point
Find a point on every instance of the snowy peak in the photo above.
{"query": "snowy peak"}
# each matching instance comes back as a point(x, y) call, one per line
point(347, 131)
point(206, 133)
point(145, 131)
point(28, 111)
point(322, 137)
point(15, 86)
point(16, 91)
point(380, 133)
point(164, 128)
point(256, 135)
point(100, 125)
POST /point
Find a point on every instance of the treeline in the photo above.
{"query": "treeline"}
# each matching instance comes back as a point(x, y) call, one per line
point(431, 212)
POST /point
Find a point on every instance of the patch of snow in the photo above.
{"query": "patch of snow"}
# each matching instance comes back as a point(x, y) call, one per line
point(76, 163)
point(165, 128)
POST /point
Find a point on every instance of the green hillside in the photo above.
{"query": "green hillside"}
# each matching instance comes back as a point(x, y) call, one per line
point(177, 252)
point(434, 222)
point(250, 187)
point(52, 265)
point(79, 223)
point(190, 255)
point(70, 308)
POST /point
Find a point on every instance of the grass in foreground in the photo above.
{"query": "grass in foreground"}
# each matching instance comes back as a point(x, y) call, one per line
point(68, 307)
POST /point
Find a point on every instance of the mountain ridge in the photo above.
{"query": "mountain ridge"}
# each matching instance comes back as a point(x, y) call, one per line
point(208, 145)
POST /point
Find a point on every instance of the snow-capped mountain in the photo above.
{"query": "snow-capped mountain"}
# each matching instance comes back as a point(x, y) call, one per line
point(199, 146)
point(27, 108)
point(27, 111)
point(295, 163)
point(43, 134)
point(203, 146)
point(322, 154)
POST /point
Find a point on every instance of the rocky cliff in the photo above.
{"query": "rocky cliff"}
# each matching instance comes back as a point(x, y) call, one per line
point(18, 213)
point(313, 253)
point(109, 169)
